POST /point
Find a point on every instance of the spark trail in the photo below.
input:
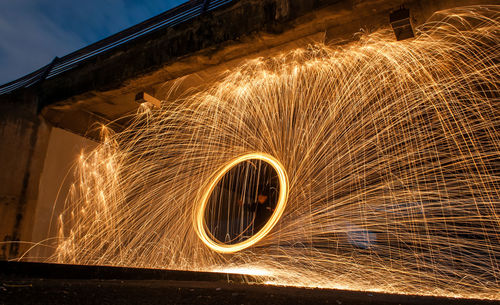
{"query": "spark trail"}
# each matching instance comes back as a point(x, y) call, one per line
point(391, 150)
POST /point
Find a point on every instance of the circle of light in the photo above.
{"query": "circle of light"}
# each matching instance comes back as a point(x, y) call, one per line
point(199, 219)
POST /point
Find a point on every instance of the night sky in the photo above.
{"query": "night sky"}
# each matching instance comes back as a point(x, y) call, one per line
point(33, 32)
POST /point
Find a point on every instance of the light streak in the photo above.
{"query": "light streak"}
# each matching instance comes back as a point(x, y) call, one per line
point(199, 222)
point(244, 270)
point(391, 150)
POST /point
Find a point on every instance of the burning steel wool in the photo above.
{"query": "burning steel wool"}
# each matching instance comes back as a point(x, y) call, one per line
point(386, 159)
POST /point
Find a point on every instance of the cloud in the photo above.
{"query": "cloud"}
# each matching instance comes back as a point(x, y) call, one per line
point(33, 32)
point(29, 40)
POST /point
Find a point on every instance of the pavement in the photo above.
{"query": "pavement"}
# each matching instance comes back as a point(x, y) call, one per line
point(38, 283)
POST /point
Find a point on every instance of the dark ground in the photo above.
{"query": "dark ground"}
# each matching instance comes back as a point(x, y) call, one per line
point(33, 283)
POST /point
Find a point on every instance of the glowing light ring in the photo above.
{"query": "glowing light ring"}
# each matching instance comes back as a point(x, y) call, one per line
point(199, 217)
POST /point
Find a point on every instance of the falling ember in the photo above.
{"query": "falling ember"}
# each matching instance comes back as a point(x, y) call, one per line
point(391, 155)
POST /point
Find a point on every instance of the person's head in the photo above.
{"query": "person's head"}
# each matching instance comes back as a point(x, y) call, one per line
point(261, 198)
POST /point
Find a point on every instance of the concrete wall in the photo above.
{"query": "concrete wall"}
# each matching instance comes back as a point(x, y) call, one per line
point(35, 163)
point(57, 176)
point(23, 141)
point(103, 89)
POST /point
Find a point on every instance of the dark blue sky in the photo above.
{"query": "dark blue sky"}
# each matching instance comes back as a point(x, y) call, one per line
point(32, 32)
